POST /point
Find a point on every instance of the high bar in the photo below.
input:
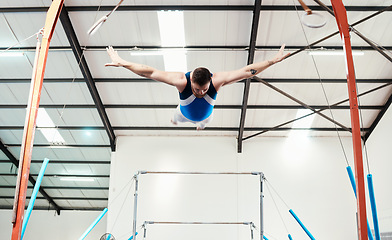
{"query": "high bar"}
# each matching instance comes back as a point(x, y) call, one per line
point(237, 223)
point(225, 173)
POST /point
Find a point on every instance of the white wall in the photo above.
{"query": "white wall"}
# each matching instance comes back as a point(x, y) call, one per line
point(310, 176)
point(44, 225)
point(380, 158)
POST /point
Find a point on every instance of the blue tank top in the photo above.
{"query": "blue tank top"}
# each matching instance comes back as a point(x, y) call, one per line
point(193, 108)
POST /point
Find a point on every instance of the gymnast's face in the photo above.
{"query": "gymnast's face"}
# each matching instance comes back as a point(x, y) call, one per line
point(199, 91)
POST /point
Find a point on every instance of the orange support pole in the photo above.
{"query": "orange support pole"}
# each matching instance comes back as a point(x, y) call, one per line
point(31, 116)
point(341, 20)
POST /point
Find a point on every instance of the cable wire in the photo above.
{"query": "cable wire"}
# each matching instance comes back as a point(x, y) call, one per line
point(322, 86)
point(276, 206)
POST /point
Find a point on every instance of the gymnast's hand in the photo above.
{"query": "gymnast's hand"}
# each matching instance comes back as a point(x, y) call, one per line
point(117, 61)
point(280, 55)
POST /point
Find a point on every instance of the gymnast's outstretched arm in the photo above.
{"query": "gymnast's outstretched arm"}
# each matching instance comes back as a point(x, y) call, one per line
point(176, 79)
point(225, 78)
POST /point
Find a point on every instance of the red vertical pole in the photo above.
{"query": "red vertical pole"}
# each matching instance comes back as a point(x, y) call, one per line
point(31, 116)
point(341, 20)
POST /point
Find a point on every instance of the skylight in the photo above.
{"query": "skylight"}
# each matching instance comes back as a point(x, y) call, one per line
point(171, 27)
point(48, 128)
point(302, 123)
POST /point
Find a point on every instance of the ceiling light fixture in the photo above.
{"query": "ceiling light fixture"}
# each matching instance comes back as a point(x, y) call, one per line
point(11, 54)
point(77, 179)
point(326, 52)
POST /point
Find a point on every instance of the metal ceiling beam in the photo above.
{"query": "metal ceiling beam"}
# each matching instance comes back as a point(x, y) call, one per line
point(64, 198)
point(152, 128)
point(389, 8)
point(63, 209)
point(59, 175)
point(186, 8)
point(139, 80)
point(293, 120)
point(168, 106)
point(64, 162)
point(71, 35)
point(368, 41)
point(378, 118)
point(65, 145)
point(195, 48)
point(251, 55)
point(389, 101)
point(59, 187)
point(300, 102)
point(15, 161)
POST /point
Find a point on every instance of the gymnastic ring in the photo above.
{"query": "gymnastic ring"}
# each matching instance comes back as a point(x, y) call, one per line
point(319, 25)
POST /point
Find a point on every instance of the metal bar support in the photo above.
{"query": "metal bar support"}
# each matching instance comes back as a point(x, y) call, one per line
point(251, 54)
point(31, 115)
point(261, 207)
point(341, 20)
point(136, 177)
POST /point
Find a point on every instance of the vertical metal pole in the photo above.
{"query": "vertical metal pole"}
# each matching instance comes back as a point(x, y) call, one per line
point(136, 177)
point(261, 207)
point(341, 20)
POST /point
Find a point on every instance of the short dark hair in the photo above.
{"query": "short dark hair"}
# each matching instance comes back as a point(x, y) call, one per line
point(201, 76)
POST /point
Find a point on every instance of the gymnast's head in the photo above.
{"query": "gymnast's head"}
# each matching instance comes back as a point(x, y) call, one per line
point(200, 81)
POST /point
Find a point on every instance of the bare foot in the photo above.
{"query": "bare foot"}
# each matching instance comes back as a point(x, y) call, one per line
point(173, 122)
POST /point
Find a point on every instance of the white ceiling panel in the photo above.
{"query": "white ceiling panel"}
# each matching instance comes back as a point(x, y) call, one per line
point(60, 64)
point(2, 157)
point(12, 117)
point(8, 180)
point(159, 2)
point(14, 93)
point(11, 136)
point(52, 93)
point(97, 60)
point(230, 94)
point(99, 204)
point(76, 193)
point(50, 169)
point(138, 93)
point(15, 67)
point(68, 153)
point(8, 192)
point(94, 193)
point(25, 24)
point(65, 93)
point(217, 28)
point(291, 30)
point(141, 28)
point(217, 61)
point(74, 117)
point(226, 118)
point(22, 3)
